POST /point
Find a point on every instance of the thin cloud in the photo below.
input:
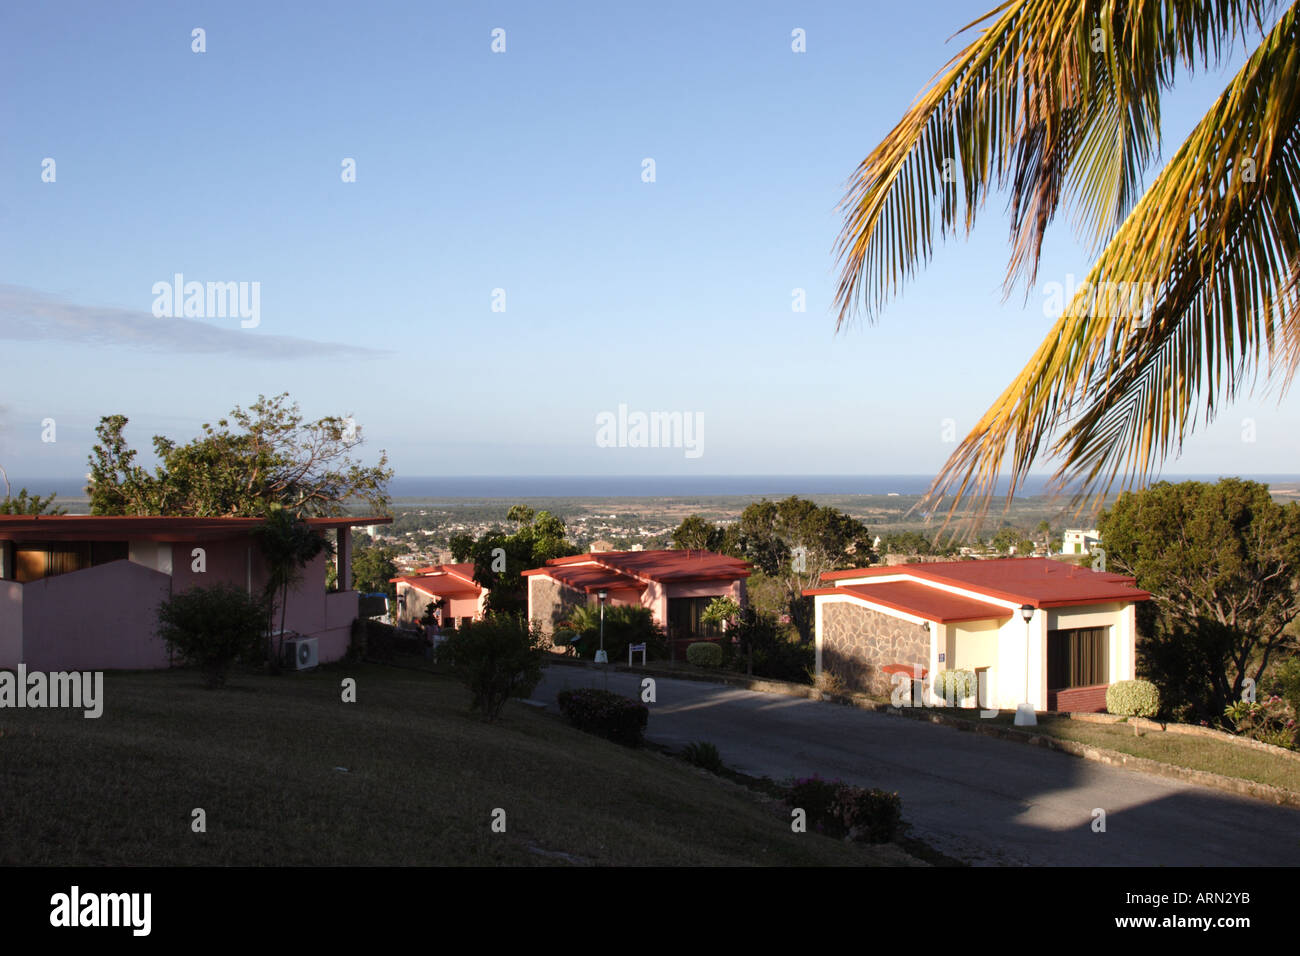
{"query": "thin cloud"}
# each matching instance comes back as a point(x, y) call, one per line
point(28, 315)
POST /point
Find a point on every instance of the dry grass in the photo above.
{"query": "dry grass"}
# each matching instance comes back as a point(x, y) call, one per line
point(1182, 750)
point(422, 780)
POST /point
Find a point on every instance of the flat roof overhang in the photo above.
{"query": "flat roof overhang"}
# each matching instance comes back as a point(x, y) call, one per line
point(162, 528)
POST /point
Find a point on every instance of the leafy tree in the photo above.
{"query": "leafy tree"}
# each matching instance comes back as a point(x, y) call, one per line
point(795, 541)
point(213, 628)
point(1194, 289)
point(269, 456)
point(373, 568)
point(500, 558)
point(497, 658)
point(288, 544)
point(914, 543)
point(697, 534)
point(1222, 562)
point(24, 504)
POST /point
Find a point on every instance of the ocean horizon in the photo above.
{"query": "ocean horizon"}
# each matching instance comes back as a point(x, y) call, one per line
point(660, 486)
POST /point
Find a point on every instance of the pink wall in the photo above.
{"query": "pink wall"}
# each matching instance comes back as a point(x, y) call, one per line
point(102, 618)
point(105, 617)
point(227, 563)
point(656, 595)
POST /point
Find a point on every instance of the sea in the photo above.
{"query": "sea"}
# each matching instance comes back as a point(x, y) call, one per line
point(665, 486)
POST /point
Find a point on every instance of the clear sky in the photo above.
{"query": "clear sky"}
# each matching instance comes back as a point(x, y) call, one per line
point(520, 171)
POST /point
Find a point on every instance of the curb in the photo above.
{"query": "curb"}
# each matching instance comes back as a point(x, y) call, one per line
point(1248, 788)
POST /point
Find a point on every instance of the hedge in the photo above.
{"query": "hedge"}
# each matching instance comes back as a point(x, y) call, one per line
point(1133, 698)
point(617, 718)
point(704, 654)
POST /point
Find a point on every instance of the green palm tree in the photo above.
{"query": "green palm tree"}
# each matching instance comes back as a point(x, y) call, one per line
point(1195, 289)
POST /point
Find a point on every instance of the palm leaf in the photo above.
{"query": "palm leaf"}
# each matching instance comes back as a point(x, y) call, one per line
point(1053, 99)
point(1216, 240)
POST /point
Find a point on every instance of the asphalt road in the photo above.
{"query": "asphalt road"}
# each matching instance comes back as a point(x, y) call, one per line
point(976, 798)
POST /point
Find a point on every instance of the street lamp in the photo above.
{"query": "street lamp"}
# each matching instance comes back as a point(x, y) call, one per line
point(1025, 712)
point(601, 656)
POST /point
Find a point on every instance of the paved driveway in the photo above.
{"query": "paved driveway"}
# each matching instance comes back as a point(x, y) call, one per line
point(973, 797)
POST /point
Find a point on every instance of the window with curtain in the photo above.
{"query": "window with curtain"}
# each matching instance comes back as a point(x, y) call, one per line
point(1077, 657)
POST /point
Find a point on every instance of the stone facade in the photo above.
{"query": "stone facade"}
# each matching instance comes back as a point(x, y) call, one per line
point(551, 601)
point(857, 642)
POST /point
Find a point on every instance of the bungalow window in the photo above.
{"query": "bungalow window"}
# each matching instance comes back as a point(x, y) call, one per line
point(1077, 657)
point(684, 617)
point(35, 561)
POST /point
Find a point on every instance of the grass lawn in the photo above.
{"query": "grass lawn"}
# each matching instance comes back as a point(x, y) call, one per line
point(422, 780)
point(1183, 750)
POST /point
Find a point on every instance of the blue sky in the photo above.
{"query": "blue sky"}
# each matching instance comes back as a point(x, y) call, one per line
point(519, 171)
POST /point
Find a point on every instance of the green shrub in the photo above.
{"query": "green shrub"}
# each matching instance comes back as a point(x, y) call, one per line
point(624, 624)
point(785, 659)
point(1133, 698)
point(704, 654)
point(357, 642)
point(496, 658)
point(1288, 679)
point(211, 628)
point(868, 816)
point(838, 809)
point(954, 685)
point(816, 797)
point(617, 718)
point(703, 754)
point(1271, 721)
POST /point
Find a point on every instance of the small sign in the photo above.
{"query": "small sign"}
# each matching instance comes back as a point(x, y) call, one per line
point(637, 647)
point(941, 657)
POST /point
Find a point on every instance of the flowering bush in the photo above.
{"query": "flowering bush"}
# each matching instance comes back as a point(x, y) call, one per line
point(869, 816)
point(838, 809)
point(1271, 721)
point(617, 718)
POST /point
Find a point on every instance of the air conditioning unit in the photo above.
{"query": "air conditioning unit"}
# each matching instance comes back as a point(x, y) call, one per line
point(300, 653)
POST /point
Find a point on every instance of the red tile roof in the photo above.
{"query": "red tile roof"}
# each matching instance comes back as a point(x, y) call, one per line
point(146, 528)
point(444, 580)
point(1039, 582)
point(660, 566)
point(921, 600)
point(591, 578)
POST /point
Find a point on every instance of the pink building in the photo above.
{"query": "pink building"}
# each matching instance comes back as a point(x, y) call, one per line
point(675, 585)
point(81, 592)
point(452, 585)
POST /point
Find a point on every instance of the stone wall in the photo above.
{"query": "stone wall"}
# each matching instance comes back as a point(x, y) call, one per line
point(857, 642)
point(550, 602)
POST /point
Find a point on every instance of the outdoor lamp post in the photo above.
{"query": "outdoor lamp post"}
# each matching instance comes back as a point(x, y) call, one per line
point(601, 656)
point(1025, 712)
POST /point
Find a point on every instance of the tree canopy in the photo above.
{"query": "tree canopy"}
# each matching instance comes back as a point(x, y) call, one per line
point(500, 557)
point(265, 455)
point(1222, 562)
point(793, 540)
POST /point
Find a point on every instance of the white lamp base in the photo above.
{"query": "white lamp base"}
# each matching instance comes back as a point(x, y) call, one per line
point(1025, 716)
point(602, 657)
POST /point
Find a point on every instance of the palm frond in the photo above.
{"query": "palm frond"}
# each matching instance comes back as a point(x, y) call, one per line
point(1213, 249)
point(1053, 99)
